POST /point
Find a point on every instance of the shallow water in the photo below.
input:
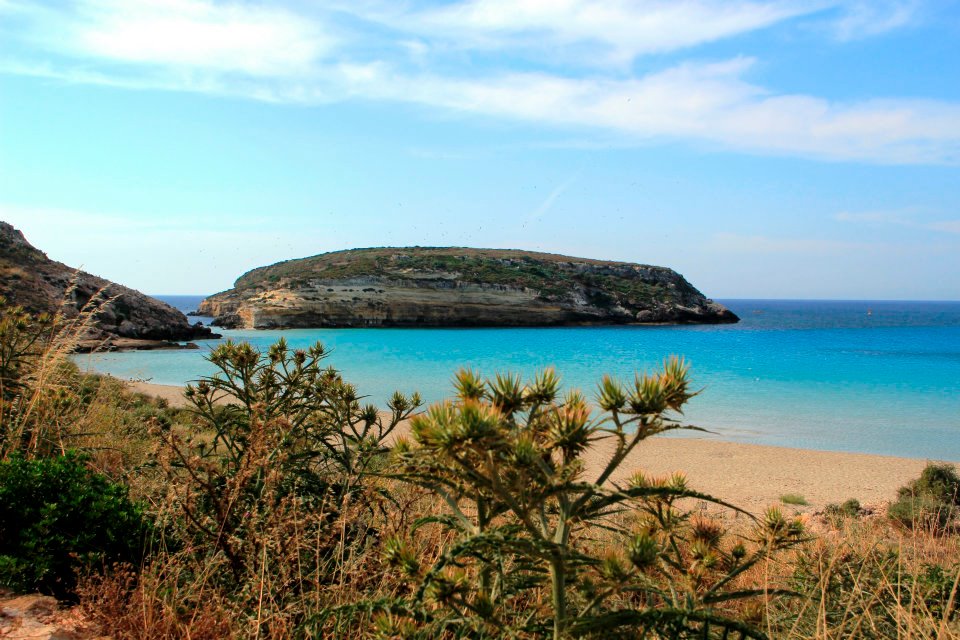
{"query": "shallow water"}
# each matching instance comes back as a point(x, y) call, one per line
point(874, 377)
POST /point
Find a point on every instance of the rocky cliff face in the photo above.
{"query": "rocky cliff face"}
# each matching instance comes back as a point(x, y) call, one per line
point(30, 279)
point(432, 287)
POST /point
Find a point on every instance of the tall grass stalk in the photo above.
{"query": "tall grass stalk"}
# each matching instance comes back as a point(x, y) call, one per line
point(38, 383)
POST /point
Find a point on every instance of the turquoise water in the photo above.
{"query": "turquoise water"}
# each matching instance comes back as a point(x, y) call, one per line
point(873, 377)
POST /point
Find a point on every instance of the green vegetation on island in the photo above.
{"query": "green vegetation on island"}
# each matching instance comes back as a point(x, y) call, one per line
point(456, 286)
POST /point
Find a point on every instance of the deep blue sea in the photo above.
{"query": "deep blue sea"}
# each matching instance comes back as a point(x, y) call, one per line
point(873, 377)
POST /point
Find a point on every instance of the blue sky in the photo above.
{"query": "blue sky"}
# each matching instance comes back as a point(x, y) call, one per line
point(762, 148)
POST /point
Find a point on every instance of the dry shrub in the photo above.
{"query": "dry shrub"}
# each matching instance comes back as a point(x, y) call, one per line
point(872, 580)
point(152, 605)
point(40, 388)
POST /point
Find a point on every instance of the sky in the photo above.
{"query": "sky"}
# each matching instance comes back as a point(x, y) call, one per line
point(762, 148)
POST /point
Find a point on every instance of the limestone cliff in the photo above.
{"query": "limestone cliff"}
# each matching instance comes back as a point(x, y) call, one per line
point(458, 287)
point(30, 279)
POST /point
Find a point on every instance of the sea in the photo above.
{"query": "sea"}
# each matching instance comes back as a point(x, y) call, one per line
point(877, 377)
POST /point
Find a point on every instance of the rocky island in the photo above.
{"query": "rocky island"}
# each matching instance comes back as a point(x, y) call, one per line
point(458, 287)
point(132, 320)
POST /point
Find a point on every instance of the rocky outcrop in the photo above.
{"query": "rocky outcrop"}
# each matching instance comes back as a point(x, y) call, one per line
point(30, 279)
point(38, 617)
point(458, 287)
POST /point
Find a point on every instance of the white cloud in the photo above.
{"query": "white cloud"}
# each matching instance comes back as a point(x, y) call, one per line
point(708, 102)
point(621, 29)
point(186, 34)
point(272, 54)
point(861, 19)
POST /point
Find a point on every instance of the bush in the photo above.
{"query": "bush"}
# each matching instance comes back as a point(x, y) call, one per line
point(59, 518)
point(848, 509)
point(274, 491)
point(938, 481)
point(930, 501)
point(794, 499)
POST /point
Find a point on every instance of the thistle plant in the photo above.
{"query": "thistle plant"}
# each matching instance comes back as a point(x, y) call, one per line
point(273, 480)
point(532, 532)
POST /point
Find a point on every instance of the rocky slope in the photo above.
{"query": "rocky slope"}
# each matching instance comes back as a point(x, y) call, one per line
point(431, 287)
point(30, 279)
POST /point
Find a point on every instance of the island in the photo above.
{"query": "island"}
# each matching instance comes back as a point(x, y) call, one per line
point(127, 320)
point(458, 287)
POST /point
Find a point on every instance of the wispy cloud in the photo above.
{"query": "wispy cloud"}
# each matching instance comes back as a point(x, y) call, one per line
point(861, 19)
point(549, 201)
point(948, 226)
point(373, 50)
point(708, 102)
point(184, 34)
point(616, 30)
point(874, 217)
point(740, 243)
point(901, 218)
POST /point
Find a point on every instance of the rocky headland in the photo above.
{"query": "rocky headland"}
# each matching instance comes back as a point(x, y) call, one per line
point(458, 287)
point(131, 320)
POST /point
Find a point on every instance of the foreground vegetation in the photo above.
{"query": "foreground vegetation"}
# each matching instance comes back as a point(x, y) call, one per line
point(278, 504)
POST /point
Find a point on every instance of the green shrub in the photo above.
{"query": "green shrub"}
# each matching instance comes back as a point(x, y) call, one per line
point(937, 481)
point(794, 498)
point(59, 518)
point(849, 509)
point(930, 501)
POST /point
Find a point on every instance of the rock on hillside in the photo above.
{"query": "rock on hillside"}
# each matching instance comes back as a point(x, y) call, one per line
point(458, 287)
point(30, 279)
point(37, 617)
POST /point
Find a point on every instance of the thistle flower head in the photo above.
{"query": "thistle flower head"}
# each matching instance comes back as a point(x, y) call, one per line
point(397, 554)
point(611, 395)
point(643, 551)
point(507, 393)
point(569, 427)
point(708, 531)
point(469, 385)
point(648, 396)
point(544, 388)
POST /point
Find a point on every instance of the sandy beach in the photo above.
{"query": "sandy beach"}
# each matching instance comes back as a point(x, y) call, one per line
point(750, 476)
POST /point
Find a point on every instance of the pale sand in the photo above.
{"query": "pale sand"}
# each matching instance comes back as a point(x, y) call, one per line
point(750, 476)
point(171, 393)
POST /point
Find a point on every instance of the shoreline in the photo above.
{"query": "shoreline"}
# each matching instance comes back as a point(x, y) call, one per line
point(750, 476)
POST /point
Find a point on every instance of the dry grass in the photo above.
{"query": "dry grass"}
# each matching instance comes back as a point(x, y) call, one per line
point(871, 579)
point(40, 418)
